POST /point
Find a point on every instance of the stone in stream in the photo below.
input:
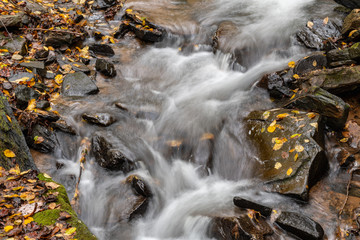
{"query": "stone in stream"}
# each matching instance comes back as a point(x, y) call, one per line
point(290, 145)
point(64, 126)
point(299, 225)
point(41, 139)
point(111, 153)
point(238, 228)
point(23, 95)
point(349, 3)
point(43, 104)
point(316, 32)
point(76, 66)
point(16, 44)
point(102, 119)
point(332, 108)
point(103, 4)
point(139, 186)
point(310, 63)
point(78, 85)
point(59, 39)
point(48, 116)
point(246, 204)
point(275, 85)
point(105, 67)
point(102, 49)
point(351, 23)
point(13, 139)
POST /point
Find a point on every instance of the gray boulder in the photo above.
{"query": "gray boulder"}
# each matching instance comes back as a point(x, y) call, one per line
point(78, 85)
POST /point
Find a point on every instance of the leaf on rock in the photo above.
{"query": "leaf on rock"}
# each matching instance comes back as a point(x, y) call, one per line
point(28, 220)
point(282, 116)
point(9, 154)
point(344, 140)
point(296, 76)
point(278, 165)
point(70, 231)
point(289, 171)
point(52, 185)
point(299, 148)
point(266, 115)
point(326, 20)
point(291, 64)
point(310, 24)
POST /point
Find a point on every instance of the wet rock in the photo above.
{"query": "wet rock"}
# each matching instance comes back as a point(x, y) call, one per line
point(103, 4)
point(24, 76)
point(139, 186)
point(59, 39)
point(337, 80)
point(23, 95)
point(43, 104)
point(42, 139)
point(42, 54)
point(105, 67)
point(16, 44)
point(33, 64)
point(102, 119)
point(315, 99)
point(147, 34)
point(48, 116)
point(349, 3)
point(63, 126)
point(11, 20)
point(102, 49)
point(290, 145)
point(12, 138)
point(112, 154)
point(315, 34)
point(238, 228)
point(76, 66)
point(276, 86)
point(310, 63)
point(299, 225)
point(122, 106)
point(246, 204)
point(139, 208)
point(78, 84)
point(339, 57)
point(351, 22)
point(224, 31)
point(7, 85)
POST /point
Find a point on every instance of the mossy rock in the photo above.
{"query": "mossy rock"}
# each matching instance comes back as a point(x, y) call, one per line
point(49, 217)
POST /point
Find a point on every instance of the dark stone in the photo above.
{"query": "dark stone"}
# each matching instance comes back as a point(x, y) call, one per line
point(23, 95)
point(310, 63)
point(351, 22)
point(102, 49)
point(16, 44)
point(105, 67)
point(112, 154)
point(315, 36)
point(139, 186)
point(48, 116)
point(349, 3)
point(33, 64)
point(246, 204)
point(290, 164)
point(11, 20)
point(22, 75)
point(43, 104)
point(58, 39)
point(139, 208)
point(13, 139)
point(122, 106)
point(41, 87)
point(156, 35)
point(147, 115)
point(103, 4)
point(78, 84)
point(315, 99)
point(238, 228)
point(299, 225)
point(49, 140)
point(76, 66)
point(63, 126)
point(41, 54)
point(78, 18)
point(102, 119)
point(51, 58)
point(276, 86)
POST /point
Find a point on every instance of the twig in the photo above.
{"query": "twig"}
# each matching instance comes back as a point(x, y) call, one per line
point(347, 193)
point(6, 30)
point(51, 30)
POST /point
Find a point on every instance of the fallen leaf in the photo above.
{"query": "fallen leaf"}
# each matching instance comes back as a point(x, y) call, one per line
point(8, 228)
point(326, 20)
point(282, 116)
point(271, 129)
point(52, 205)
point(70, 231)
point(8, 153)
point(291, 64)
point(31, 105)
point(296, 76)
point(296, 157)
point(52, 185)
point(207, 136)
point(314, 63)
point(311, 115)
point(278, 165)
point(295, 135)
point(266, 115)
point(28, 220)
point(310, 24)
point(344, 140)
point(352, 32)
point(315, 125)
point(289, 171)
point(299, 148)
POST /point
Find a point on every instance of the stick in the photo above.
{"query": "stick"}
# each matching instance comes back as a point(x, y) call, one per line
point(6, 30)
point(51, 30)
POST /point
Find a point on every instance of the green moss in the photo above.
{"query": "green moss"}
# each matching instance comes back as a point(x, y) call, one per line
point(48, 217)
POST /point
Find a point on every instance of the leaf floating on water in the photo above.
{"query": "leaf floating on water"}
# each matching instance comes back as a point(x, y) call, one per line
point(310, 24)
point(291, 64)
point(344, 140)
point(266, 115)
point(299, 148)
point(9, 154)
point(289, 171)
point(278, 165)
point(326, 20)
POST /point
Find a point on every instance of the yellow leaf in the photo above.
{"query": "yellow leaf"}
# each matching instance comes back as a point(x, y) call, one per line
point(295, 135)
point(8, 228)
point(296, 157)
point(295, 111)
point(289, 171)
point(28, 220)
point(291, 64)
point(15, 170)
point(23, 79)
point(311, 115)
point(326, 20)
point(129, 10)
point(174, 143)
point(344, 140)
point(207, 136)
point(266, 115)
point(277, 146)
point(310, 24)
point(352, 32)
point(70, 231)
point(52, 185)
point(46, 175)
point(59, 79)
point(306, 140)
point(278, 165)
point(282, 116)
point(299, 148)
point(9, 118)
point(8, 153)
point(262, 129)
point(31, 105)
point(296, 76)
point(315, 125)
point(271, 129)
point(52, 205)
point(314, 63)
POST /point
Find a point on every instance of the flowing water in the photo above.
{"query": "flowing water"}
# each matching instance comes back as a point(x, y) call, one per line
point(194, 93)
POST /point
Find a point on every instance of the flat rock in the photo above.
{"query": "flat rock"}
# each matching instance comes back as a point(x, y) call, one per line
point(111, 153)
point(299, 225)
point(33, 64)
point(102, 119)
point(76, 66)
point(290, 145)
point(310, 63)
point(351, 22)
point(102, 49)
point(103, 4)
point(77, 85)
point(332, 108)
point(11, 20)
point(276, 85)
point(247, 204)
point(17, 44)
point(314, 36)
point(105, 67)
point(23, 76)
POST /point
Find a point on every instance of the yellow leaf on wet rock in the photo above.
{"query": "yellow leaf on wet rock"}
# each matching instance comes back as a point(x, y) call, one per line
point(310, 24)
point(266, 115)
point(289, 171)
point(315, 125)
point(291, 64)
point(296, 76)
point(31, 105)
point(8, 153)
point(271, 129)
point(296, 135)
point(282, 116)
point(311, 115)
point(299, 148)
point(278, 165)
point(314, 63)
point(326, 20)
point(59, 79)
point(296, 157)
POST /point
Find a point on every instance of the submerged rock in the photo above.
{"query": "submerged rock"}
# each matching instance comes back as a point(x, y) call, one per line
point(78, 84)
point(102, 119)
point(301, 226)
point(290, 145)
point(316, 33)
point(315, 99)
point(111, 153)
point(13, 139)
point(246, 204)
point(105, 67)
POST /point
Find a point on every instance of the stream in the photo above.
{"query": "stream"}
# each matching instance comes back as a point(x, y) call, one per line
point(189, 140)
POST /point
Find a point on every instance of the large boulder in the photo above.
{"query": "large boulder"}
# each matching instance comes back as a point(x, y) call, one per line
point(290, 145)
point(332, 108)
point(351, 22)
point(349, 3)
point(11, 138)
point(77, 85)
